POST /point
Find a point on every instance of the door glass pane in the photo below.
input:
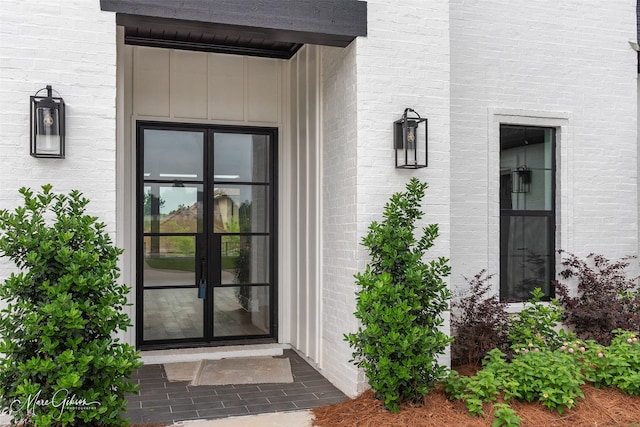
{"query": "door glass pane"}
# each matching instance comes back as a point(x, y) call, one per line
point(241, 209)
point(244, 260)
point(241, 310)
point(172, 314)
point(241, 157)
point(173, 155)
point(172, 209)
point(169, 261)
point(526, 256)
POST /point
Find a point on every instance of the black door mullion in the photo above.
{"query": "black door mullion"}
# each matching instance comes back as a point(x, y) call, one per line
point(208, 232)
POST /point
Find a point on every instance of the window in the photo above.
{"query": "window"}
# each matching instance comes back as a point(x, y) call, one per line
point(527, 211)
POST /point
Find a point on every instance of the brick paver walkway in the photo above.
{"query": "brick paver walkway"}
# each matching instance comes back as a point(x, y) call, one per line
point(166, 402)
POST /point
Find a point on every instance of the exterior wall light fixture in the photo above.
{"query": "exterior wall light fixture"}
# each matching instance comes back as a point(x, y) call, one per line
point(410, 141)
point(47, 125)
point(521, 179)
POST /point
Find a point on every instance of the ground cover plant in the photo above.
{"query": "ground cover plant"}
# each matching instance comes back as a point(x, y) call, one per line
point(581, 383)
point(400, 304)
point(62, 365)
point(600, 407)
point(546, 365)
point(548, 377)
point(553, 377)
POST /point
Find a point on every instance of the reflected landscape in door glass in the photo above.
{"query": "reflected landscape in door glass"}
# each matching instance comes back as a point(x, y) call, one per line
point(170, 209)
point(241, 209)
point(244, 260)
point(169, 261)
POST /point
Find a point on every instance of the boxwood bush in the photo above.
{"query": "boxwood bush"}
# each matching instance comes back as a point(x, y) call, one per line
point(62, 364)
point(401, 304)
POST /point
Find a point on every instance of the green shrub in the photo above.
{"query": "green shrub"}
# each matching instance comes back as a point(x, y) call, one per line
point(505, 416)
point(552, 377)
point(537, 324)
point(617, 365)
point(62, 365)
point(400, 304)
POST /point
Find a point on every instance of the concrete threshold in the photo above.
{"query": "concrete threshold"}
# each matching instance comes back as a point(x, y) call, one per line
point(156, 357)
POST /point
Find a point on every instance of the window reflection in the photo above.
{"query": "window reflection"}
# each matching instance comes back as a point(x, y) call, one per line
point(241, 209)
point(172, 154)
point(240, 311)
point(525, 149)
point(527, 214)
point(245, 259)
point(172, 209)
point(241, 157)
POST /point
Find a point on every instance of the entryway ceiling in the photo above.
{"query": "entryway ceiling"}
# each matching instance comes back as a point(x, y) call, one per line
point(266, 28)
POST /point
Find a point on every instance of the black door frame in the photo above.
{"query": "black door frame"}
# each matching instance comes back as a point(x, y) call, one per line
point(208, 183)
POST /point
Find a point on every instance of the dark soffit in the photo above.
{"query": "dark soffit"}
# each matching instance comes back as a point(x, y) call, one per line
point(268, 28)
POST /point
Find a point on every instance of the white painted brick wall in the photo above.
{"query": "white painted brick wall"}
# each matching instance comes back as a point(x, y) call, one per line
point(570, 58)
point(71, 46)
point(339, 177)
point(403, 62)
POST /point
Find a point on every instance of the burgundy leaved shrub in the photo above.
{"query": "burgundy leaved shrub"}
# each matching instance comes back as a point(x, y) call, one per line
point(479, 321)
point(607, 298)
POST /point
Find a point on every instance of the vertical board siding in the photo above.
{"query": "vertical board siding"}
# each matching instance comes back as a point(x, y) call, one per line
point(305, 127)
point(151, 82)
point(189, 77)
point(188, 86)
point(226, 87)
point(292, 250)
point(303, 154)
point(262, 89)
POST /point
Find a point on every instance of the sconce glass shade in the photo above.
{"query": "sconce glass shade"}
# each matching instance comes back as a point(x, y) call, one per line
point(47, 125)
point(521, 180)
point(410, 141)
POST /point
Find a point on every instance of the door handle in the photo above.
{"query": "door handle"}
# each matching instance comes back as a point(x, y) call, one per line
point(202, 289)
point(202, 284)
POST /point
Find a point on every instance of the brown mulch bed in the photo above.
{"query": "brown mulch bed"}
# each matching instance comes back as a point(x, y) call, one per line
point(600, 407)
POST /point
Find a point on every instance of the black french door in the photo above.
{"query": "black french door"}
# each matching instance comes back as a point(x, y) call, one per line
point(206, 244)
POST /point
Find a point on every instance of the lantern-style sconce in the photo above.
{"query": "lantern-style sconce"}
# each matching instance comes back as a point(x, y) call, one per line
point(410, 141)
point(47, 125)
point(521, 180)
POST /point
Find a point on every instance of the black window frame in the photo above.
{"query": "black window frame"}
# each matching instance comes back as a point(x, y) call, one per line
point(550, 214)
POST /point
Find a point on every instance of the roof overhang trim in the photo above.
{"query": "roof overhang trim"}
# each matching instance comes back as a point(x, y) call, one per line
point(275, 28)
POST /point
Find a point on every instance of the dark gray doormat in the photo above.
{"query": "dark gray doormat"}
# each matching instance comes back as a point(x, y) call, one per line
point(182, 371)
point(240, 370)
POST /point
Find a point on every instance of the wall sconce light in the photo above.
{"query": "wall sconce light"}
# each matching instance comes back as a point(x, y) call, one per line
point(521, 180)
point(409, 141)
point(47, 125)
